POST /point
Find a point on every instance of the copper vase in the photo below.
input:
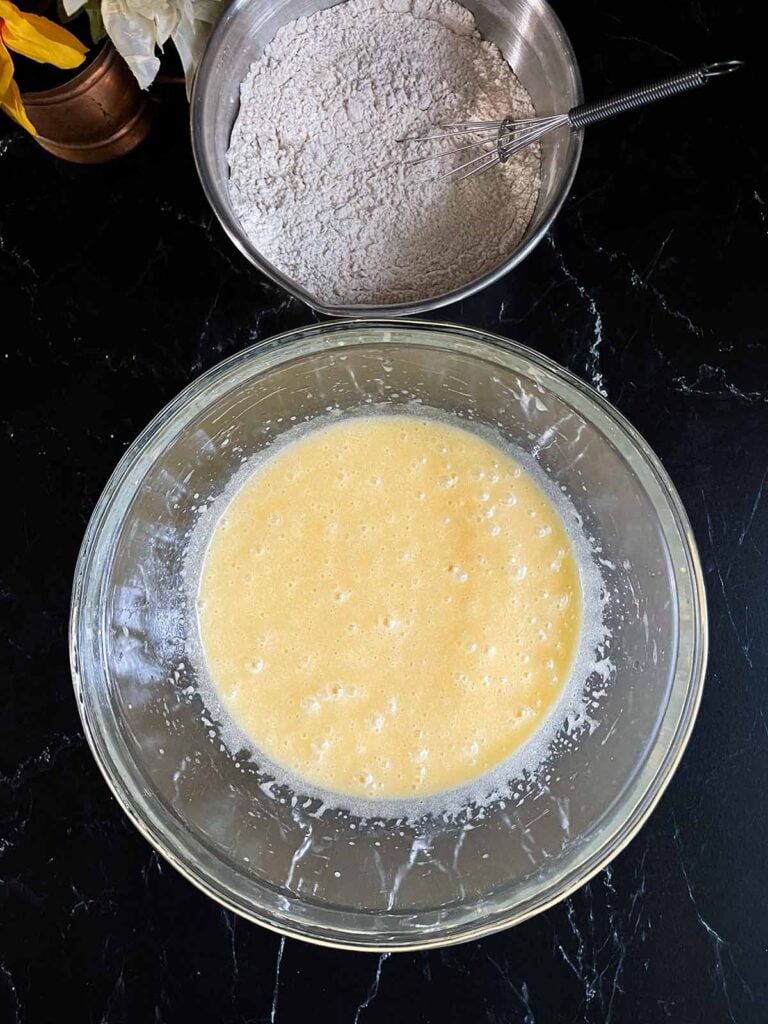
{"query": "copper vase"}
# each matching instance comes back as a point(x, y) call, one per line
point(98, 115)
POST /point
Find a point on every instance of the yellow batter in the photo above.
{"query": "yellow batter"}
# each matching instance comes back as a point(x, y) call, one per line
point(389, 606)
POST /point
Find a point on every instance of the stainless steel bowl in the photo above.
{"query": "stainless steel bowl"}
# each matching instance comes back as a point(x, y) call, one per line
point(529, 34)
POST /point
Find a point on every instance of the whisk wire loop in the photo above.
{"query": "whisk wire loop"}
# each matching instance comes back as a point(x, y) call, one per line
point(501, 139)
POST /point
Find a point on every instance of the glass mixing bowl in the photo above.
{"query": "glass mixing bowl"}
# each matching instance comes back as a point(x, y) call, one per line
point(326, 876)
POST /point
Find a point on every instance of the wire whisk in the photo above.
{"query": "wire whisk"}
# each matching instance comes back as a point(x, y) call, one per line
point(510, 135)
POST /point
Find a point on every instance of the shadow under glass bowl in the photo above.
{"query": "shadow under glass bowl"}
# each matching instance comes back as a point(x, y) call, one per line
point(528, 33)
point(332, 879)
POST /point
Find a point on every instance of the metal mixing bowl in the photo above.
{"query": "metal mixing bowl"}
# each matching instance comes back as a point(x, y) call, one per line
point(382, 883)
point(528, 33)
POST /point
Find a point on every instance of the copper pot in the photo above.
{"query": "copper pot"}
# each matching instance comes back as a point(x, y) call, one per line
point(98, 115)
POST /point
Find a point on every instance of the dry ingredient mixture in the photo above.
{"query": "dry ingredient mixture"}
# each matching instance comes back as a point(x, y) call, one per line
point(318, 173)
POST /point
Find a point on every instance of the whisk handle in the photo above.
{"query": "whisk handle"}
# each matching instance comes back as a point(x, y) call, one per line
point(591, 113)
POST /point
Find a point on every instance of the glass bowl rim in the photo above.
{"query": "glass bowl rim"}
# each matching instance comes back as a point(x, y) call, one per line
point(150, 816)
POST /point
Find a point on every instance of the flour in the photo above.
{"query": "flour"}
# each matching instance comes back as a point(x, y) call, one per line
point(318, 173)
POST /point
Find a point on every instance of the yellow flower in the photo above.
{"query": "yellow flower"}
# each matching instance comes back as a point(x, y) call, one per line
point(41, 40)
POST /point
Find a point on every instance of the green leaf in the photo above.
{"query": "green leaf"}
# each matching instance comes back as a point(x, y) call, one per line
point(95, 21)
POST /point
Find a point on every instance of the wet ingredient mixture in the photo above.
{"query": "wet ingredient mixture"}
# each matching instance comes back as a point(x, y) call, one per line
point(389, 607)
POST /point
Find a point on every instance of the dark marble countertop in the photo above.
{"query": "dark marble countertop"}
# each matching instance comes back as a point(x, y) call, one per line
point(117, 288)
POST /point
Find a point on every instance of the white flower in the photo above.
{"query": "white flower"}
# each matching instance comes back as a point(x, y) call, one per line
point(138, 28)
